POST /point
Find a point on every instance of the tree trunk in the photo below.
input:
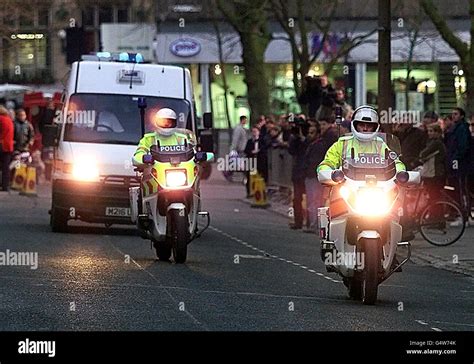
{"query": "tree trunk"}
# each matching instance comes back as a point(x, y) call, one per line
point(384, 99)
point(256, 78)
point(469, 76)
point(300, 84)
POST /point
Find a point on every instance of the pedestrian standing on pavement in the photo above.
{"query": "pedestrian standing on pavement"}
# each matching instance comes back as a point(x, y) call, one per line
point(239, 136)
point(314, 190)
point(24, 132)
point(341, 101)
point(470, 175)
point(429, 118)
point(6, 146)
point(412, 142)
point(257, 147)
point(457, 140)
point(329, 132)
point(433, 157)
point(297, 149)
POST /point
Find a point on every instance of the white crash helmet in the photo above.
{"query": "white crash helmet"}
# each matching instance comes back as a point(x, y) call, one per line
point(165, 122)
point(365, 114)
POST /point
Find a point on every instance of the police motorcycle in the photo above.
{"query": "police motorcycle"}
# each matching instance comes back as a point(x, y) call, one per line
point(167, 206)
point(360, 231)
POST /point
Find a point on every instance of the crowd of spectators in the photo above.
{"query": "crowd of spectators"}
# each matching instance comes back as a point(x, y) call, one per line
point(441, 147)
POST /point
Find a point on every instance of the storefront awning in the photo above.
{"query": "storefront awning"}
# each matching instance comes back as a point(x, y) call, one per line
point(202, 47)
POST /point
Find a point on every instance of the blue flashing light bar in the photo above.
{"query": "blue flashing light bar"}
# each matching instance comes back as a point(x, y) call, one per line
point(118, 57)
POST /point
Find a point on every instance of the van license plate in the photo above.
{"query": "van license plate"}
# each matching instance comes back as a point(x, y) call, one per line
point(117, 211)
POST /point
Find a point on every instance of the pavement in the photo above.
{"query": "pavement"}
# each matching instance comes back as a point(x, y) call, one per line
point(458, 257)
point(247, 272)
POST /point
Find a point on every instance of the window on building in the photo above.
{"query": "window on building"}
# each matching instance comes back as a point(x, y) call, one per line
point(106, 14)
point(43, 17)
point(88, 16)
point(27, 19)
point(9, 20)
point(122, 15)
point(26, 59)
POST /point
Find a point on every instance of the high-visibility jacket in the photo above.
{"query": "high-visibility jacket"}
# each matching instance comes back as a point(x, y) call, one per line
point(151, 139)
point(342, 148)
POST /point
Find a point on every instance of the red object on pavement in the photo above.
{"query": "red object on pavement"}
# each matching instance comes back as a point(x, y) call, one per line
point(6, 133)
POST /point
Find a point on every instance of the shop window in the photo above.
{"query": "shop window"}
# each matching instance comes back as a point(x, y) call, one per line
point(27, 58)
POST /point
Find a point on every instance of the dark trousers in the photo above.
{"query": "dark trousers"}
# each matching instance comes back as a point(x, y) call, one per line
point(298, 192)
point(5, 159)
point(434, 186)
point(460, 194)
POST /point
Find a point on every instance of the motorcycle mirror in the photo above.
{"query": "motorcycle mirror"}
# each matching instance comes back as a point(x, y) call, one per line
point(148, 159)
point(201, 156)
point(337, 176)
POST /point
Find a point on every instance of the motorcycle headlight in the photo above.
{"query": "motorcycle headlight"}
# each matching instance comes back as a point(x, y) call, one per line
point(369, 201)
point(176, 177)
point(372, 202)
point(85, 170)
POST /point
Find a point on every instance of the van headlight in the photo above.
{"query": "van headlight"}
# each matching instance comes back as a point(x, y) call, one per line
point(176, 177)
point(85, 170)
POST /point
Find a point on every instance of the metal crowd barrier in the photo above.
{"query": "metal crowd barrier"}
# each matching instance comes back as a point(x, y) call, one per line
point(280, 163)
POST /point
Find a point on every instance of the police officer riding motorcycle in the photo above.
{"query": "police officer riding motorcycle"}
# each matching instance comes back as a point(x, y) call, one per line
point(167, 204)
point(360, 230)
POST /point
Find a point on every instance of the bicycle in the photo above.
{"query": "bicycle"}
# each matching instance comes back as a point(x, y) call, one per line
point(441, 222)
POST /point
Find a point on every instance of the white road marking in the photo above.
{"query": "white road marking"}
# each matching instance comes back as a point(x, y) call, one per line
point(453, 323)
point(266, 254)
point(436, 329)
point(252, 256)
point(421, 322)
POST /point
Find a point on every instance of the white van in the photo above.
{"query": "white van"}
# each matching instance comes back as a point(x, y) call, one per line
point(99, 130)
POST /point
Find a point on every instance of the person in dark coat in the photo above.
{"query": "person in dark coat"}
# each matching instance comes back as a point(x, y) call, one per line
point(457, 140)
point(314, 155)
point(24, 132)
point(434, 149)
point(412, 142)
point(257, 147)
point(297, 148)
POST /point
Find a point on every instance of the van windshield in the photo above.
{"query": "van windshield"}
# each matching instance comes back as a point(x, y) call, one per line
point(115, 119)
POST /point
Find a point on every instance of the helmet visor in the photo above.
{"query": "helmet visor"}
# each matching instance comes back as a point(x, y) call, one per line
point(165, 123)
point(365, 127)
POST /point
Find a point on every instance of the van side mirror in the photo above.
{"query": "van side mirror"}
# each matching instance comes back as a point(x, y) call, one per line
point(207, 120)
point(51, 135)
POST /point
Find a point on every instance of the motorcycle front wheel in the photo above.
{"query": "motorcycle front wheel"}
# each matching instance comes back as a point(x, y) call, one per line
point(180, 236)
point(370, 276)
